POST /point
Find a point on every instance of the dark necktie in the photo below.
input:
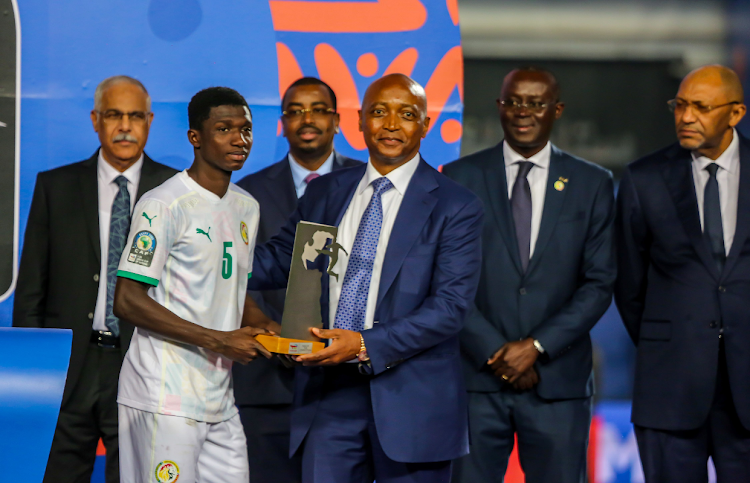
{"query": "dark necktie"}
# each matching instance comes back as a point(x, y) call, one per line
point(119, 225)
point(350, 314)
point(520, 202)
point(712, 226)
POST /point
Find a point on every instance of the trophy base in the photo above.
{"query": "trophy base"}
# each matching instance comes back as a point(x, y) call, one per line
point(282, 345)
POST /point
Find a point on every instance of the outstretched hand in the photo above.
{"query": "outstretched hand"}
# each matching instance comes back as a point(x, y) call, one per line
point(240, 345)
point(344, 346)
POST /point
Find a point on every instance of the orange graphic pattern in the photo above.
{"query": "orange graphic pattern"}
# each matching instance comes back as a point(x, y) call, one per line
point(351, 17)
point(334, 71)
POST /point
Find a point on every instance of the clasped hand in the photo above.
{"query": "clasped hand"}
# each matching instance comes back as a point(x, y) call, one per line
point(514, 362)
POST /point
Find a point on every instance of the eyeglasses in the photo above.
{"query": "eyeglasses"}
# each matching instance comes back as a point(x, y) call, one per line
point(316, 112)
point(113, 116)
point(533, 106)
point(679, 105)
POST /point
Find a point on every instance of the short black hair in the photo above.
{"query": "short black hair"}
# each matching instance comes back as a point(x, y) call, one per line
point(201, 104)
point(309, 81)
point(554, 83)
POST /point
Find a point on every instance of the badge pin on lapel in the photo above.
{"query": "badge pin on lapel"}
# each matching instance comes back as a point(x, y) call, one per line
point(560, 183)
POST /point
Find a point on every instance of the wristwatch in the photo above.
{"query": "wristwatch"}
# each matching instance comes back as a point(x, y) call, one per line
point(362, 356)
point(538, 346)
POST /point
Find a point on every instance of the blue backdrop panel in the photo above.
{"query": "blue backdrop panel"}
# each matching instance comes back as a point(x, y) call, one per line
point(177, 47)
point(33, 367)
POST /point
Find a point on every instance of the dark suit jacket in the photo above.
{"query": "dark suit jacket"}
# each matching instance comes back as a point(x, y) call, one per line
point(428, 280)
point(567, 286)
point(672, 297)
point(266, 381)
point(61, 259)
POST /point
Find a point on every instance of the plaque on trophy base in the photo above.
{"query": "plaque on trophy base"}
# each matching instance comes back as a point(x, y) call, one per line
point(314, 256)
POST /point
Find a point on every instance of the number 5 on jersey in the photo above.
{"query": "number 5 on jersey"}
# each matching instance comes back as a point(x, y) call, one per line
point(226, 265)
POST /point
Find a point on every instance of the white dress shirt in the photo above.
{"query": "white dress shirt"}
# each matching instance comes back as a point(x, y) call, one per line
point(728, 177)
point(299, 172)
point(537, 182)
point(105, 175)
point(391, 199)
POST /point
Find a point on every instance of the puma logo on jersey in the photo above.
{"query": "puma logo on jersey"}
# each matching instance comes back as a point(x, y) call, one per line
point(201, 232)
point(149, 219)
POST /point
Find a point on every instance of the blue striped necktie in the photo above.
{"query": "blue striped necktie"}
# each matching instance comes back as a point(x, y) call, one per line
point(350, 313)
point(119, 226)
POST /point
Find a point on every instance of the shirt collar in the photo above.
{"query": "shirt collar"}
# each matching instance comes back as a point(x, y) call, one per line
point(107, 173)
point(400, 176)
point(299, 172)
point(540, 159)
point(728, 160)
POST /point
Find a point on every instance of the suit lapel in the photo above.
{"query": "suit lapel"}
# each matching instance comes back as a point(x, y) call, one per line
point(281, 178)
point(678, 176)
point(415, 209)
point(341, 195)
point(742, 229)
point(337, 202)
point(90, 202)
point(553, 203)
point(148, 179)
point(497, 193)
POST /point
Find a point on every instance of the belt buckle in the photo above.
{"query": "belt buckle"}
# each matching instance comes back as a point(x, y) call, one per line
point(100, 336)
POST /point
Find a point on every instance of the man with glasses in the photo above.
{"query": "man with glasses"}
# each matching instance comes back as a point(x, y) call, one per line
point(683, 290)
point(264, 389)
point(79, 218)
point(548, 268)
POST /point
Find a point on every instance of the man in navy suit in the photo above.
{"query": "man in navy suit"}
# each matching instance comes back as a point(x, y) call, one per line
point(264, 389)
point(546, 279)
point(683, 290)
point(385, 400)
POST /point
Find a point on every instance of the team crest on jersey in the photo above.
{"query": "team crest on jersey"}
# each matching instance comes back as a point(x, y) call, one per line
point(142, 251)
point(243, 232)
point(167, 472)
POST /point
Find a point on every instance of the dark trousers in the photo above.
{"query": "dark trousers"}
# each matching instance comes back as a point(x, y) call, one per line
point(342, 445)
point(552, 437)
point(89, 413)
point(267, 433)
point(682, 456)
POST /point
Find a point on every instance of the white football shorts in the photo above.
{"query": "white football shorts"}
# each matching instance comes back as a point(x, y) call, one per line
point(160, 448)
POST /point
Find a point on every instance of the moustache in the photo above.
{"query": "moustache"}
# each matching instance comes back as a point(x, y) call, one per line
point(308, 127)
point(124, 137)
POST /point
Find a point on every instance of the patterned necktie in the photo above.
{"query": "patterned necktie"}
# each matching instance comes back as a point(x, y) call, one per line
point(712, 226)
point(350, 313)
point(119, 225)
point(311, 177)
point(520, 202)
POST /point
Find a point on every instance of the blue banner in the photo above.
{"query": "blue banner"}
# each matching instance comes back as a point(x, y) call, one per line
point(177, 47)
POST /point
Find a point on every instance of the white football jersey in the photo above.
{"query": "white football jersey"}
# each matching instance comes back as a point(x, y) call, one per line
point(196, 250)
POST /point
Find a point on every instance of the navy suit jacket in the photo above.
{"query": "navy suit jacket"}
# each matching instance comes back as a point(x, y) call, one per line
point(567, 286)
point(428, 281)
point(671, 296)
point(267, 381)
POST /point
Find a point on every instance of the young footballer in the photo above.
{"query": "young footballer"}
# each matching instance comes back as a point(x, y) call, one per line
point(182, 283)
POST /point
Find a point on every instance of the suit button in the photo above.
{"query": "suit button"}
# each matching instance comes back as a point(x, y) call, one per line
point(712, 324)
point(522, 291)
point(91, 316)
point(96, 277)
point(722, 289)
